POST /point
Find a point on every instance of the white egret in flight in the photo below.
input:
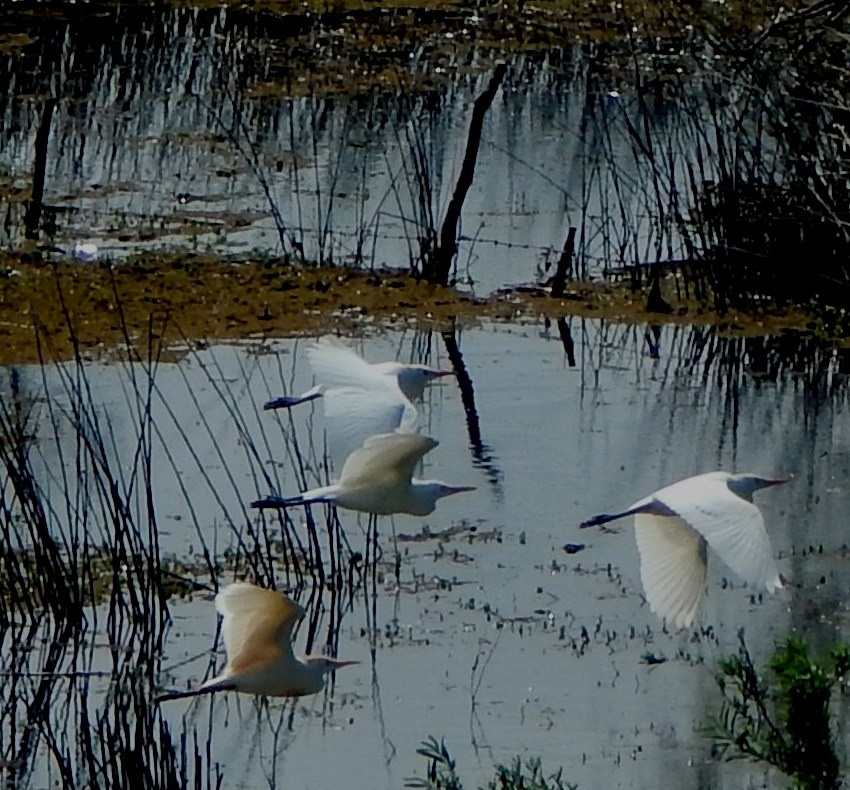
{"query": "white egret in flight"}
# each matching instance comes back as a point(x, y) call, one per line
point(257, 630)
point(378, 478)
point(361, 399)
point(674, 525)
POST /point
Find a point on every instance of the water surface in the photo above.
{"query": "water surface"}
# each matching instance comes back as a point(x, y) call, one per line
point(495, 638)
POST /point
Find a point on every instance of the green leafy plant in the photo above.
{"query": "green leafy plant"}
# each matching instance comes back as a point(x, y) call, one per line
point(441, 773)
point(527, 775)
point(519, 775)
point(786, 722)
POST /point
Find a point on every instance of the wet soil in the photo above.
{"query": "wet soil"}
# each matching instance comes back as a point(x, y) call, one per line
point(55, 309)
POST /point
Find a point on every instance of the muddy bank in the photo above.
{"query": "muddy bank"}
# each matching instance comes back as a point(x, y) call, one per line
point(49, 307)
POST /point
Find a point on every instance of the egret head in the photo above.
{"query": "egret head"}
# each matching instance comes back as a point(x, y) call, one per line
point(412, 379)
point(745, 485)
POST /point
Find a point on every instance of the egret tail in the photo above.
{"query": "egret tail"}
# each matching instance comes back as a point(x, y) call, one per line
point(216, 684)
point(604, 518)
point(288, 401)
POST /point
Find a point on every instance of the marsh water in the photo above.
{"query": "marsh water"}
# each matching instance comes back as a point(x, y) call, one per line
point(478, 627)
point(495, 623)
point(188, 127)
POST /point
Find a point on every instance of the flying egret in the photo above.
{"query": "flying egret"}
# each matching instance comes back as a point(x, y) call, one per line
point(257, 630)
point(337, 366)
point(378, 478)
point(674, 525)
point(361, 399)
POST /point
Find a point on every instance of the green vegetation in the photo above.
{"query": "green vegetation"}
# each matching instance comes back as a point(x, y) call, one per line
point(785, 723)
point(519, 775)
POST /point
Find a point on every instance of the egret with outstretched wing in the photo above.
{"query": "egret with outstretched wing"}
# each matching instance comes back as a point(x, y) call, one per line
point(378, 478)
point(362, 399)
point(257, 630)
point(675, 525)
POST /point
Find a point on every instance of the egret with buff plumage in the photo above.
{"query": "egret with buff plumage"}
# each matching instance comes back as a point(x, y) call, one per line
point(257, 629)
point(378, 479)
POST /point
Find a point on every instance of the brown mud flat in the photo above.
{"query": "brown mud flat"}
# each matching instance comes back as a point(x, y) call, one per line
point(52, 310)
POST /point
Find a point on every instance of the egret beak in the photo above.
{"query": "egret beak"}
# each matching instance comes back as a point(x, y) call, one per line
point(340, 664)
point(460, 489)
point(438, 374)
point(775, 481)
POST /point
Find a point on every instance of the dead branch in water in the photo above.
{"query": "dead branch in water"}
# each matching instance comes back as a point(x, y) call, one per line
point(438, 265)
point(42, 137)
point(481, 452)
point(565, 265)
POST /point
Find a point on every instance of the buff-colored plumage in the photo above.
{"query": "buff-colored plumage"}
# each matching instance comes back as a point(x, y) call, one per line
point(378, 478)
point(257, 629)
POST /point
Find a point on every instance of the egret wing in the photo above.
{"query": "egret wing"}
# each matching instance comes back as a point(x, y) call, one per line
point(672, 567)
point(733, 527)
point(257, 625)
point(385, 460)
point(353, 414)
point(335, 365)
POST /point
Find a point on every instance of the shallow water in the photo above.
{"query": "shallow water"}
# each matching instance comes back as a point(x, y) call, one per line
point(165, 138)
point(496, 639)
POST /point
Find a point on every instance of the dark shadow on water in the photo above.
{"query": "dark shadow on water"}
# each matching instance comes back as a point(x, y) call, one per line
point(653, 340)
point(566, 336)
point(482, 455)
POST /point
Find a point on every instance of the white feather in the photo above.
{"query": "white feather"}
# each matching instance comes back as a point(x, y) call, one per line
point(672, 567)
point(337, 366)
point(733, 527)
point(354, 414)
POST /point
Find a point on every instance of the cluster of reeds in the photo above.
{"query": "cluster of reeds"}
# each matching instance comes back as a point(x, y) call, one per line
point(736, 180)
point(81, 561)
point(82, 567)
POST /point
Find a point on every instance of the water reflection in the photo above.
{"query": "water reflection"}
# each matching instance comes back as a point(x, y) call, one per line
point(180, 126)
point(457, 601)
point(320, 137)
point(482, 454)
